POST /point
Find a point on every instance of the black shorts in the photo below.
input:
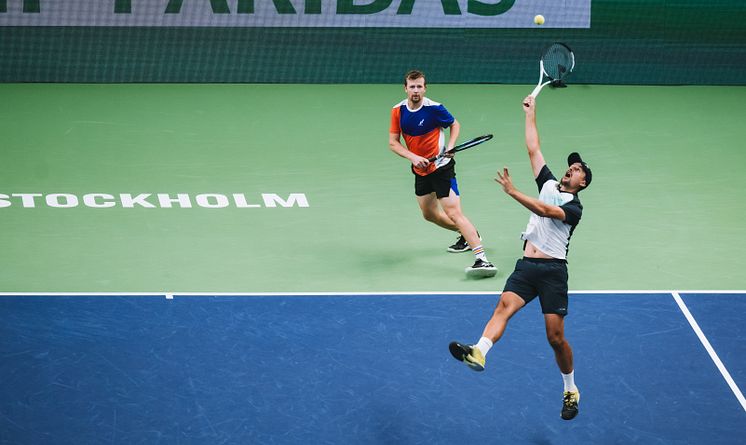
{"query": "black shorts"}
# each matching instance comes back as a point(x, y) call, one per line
point(441, 181)
point(545, 278)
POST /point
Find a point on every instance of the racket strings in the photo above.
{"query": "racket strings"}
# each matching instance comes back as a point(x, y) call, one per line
point(558, 61)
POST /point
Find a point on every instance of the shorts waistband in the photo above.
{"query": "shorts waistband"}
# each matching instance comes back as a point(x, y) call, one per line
point(544, 260)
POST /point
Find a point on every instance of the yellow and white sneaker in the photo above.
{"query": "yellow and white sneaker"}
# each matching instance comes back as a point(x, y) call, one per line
point(470, 355)
point(570, 401)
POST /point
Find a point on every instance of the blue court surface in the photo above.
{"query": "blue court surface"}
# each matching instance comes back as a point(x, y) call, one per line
point(365, 369)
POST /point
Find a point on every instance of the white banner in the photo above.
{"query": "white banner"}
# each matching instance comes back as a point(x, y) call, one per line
point(298, 13)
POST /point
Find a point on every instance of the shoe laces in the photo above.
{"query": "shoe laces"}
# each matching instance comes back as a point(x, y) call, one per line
point(570, 398)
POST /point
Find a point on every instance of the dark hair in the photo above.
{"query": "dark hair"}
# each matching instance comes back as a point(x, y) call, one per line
point(575, 158)
point(414, 75)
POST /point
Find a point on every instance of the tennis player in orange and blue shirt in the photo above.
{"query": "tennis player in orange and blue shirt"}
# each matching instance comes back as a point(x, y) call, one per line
point(422, 123)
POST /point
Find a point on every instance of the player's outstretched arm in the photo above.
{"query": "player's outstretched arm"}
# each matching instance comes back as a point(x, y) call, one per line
point(532, 136)
point(534, 205)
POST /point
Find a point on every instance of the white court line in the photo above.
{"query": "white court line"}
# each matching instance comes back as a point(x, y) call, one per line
point(321, 293)
point(171, 294)
point(710, 350)
point(351, 294)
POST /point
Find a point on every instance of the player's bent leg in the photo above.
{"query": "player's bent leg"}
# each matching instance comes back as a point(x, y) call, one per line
point(461, 244)
point(451, 205)
point(509, 304)
point(481, 268)
point(472, 355)
point(433, 213)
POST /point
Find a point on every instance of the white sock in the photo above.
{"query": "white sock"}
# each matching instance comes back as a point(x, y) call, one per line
point(569, 380)
point(484, 344)
point(479, 253)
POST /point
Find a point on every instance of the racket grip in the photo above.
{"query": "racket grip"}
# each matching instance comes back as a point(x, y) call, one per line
point(435, 158)
point(536, 90)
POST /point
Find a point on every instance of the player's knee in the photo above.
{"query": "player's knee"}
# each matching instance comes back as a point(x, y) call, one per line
point(556, 340)
point(453, 212)
point(505, 308)
point(430, 216)
point(455, 216)
point(509, 304)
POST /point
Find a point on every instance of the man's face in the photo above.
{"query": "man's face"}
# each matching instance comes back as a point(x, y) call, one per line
point(415, 89)
point(574, 178)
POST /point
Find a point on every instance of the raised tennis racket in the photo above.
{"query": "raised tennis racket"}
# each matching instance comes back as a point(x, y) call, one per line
point(555, 65)
point(468, 144)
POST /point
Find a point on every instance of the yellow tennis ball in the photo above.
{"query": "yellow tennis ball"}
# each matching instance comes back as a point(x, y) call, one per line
point(539, 19)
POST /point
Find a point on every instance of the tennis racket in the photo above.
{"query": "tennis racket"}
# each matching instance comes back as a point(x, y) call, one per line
point(468, 144)
point(557, 63)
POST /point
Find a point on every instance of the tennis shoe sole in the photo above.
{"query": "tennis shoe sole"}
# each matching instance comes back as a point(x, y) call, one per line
point(461, 353)
point(481, 272)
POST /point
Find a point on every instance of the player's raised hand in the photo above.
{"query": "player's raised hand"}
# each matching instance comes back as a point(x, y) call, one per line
point(529, 104)
point(504, 180)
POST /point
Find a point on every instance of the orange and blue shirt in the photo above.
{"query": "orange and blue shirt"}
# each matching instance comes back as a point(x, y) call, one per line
point(423, 130)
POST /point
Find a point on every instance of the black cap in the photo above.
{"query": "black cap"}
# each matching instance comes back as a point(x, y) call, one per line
point(575, 157)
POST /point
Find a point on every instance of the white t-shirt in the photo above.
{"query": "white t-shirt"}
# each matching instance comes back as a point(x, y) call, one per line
point(550, 235)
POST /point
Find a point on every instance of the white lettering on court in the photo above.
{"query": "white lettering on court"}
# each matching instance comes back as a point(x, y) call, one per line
point(149, 201)
point(182, 199)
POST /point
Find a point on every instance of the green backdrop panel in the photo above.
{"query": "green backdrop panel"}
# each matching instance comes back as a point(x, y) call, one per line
point(629, 42)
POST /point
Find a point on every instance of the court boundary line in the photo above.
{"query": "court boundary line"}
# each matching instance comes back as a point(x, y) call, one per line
point(710, 350)
point(332, 294)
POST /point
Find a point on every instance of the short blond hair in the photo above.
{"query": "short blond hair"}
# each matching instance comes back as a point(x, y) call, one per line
point(414, 75)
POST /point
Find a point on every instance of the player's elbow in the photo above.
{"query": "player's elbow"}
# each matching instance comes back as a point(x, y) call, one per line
point(545, 211)
point(554, 213)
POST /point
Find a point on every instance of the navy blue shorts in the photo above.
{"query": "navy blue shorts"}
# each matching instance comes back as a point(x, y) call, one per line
point(543, 278)
point(441, 181)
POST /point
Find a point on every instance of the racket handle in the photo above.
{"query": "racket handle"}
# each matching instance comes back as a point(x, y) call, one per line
point(434, 158)
point(536, 90)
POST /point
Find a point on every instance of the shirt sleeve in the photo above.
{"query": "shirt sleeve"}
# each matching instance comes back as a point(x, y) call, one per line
point(573, 210)
point(443, 117)
point(395, 120)
point(544, 175)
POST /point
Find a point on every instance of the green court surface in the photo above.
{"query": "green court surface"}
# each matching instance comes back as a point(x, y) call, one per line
point(665, 210)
